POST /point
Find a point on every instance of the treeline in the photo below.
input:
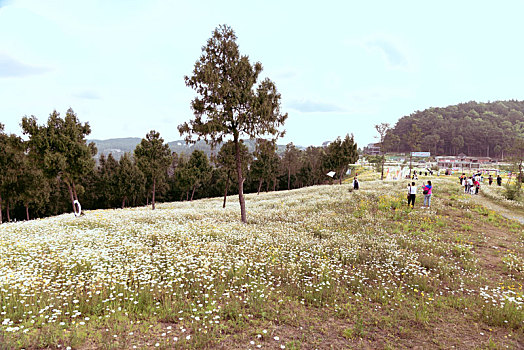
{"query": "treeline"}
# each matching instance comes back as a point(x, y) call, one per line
point(475, 129)
point(55, 167)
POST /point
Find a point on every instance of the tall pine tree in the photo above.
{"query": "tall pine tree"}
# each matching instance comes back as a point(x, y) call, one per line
point(229, 104)
point(60, 148)
point(153, 158)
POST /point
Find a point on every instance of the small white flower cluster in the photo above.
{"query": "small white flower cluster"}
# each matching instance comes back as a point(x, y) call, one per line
point(501, 295)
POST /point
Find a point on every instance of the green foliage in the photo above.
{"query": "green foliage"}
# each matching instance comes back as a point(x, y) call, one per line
point(311, 169)
point(228, 101)
point(60, 145)
point(11, 165)
point(266, 163)
point(199, 170)
point(512, 192)
point(476, 129)
point(377, 161)
point(153, 158)
point(59, 148)
point(226, 157)
point(290, 160)
point(130, 180)
point(33, 187)
point(226, 160)
point(339, 155)
point(108, 181)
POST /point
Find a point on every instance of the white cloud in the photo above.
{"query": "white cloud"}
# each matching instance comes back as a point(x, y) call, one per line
point(391, 53)
point(11, 68)
point(311, 106)
point(87, 95)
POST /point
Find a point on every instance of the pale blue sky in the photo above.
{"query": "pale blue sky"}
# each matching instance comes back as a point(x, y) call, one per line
point(341, 66)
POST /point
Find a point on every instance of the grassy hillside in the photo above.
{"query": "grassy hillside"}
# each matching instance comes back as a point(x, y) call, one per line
point(319, 267)
point(474, 128)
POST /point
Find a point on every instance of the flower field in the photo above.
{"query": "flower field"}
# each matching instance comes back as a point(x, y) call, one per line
point(320, 267)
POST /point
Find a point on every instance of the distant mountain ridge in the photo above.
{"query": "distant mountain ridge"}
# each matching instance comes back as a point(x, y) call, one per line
point(119, 146)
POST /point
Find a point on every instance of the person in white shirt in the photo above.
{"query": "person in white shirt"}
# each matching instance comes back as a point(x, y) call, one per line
point(412, 193)
point(471, 189)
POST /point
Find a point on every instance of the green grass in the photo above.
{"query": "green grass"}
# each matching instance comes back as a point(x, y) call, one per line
point(312, 267)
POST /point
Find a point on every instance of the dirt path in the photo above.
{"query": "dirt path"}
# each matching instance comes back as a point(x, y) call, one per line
point(507, 213)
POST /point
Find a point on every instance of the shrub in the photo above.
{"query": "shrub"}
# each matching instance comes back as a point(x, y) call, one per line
point(512, 192)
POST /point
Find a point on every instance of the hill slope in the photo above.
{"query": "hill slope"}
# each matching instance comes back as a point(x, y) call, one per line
point(318, 267)
point(119, 146)
point(476, 129)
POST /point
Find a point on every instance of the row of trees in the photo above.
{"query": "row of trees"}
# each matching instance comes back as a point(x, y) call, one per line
point(476, 129)
point(55, 166)
point(231, 104)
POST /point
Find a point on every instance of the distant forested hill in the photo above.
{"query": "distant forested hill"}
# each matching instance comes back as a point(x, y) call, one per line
point(473, 128)
point(117, 147)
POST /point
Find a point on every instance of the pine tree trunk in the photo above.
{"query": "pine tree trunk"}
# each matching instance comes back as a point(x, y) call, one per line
point(7, 210)
point(288, 179)
point(382, 169)
point(27, 211)
point(193, 192)
point(124, 202)
point(70, 190)
point(241, 199)
point(259, 186)
point(187, 195)
point(1, 219)
point(154, 189)
point(274, 185)
point(74, 190)
point(225, 192)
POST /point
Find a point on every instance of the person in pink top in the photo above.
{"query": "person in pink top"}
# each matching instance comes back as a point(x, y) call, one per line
point(427, 191)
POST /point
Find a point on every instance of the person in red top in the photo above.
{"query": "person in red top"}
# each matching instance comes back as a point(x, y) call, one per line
point(476, 183)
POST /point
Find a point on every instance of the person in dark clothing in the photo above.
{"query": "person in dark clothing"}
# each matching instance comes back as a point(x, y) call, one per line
point(499, 180)
point(412, 193)
point(355, 184)
point(490, 179)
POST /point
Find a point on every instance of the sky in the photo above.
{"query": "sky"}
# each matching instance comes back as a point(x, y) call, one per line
point(341, 66)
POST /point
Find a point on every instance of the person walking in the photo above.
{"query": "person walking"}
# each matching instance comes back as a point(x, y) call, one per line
point(470, 185)
point(427, 191)
point(355, 183)
point(476, 184)
point(490, 179)
point(499, 180)
point(412, 193)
